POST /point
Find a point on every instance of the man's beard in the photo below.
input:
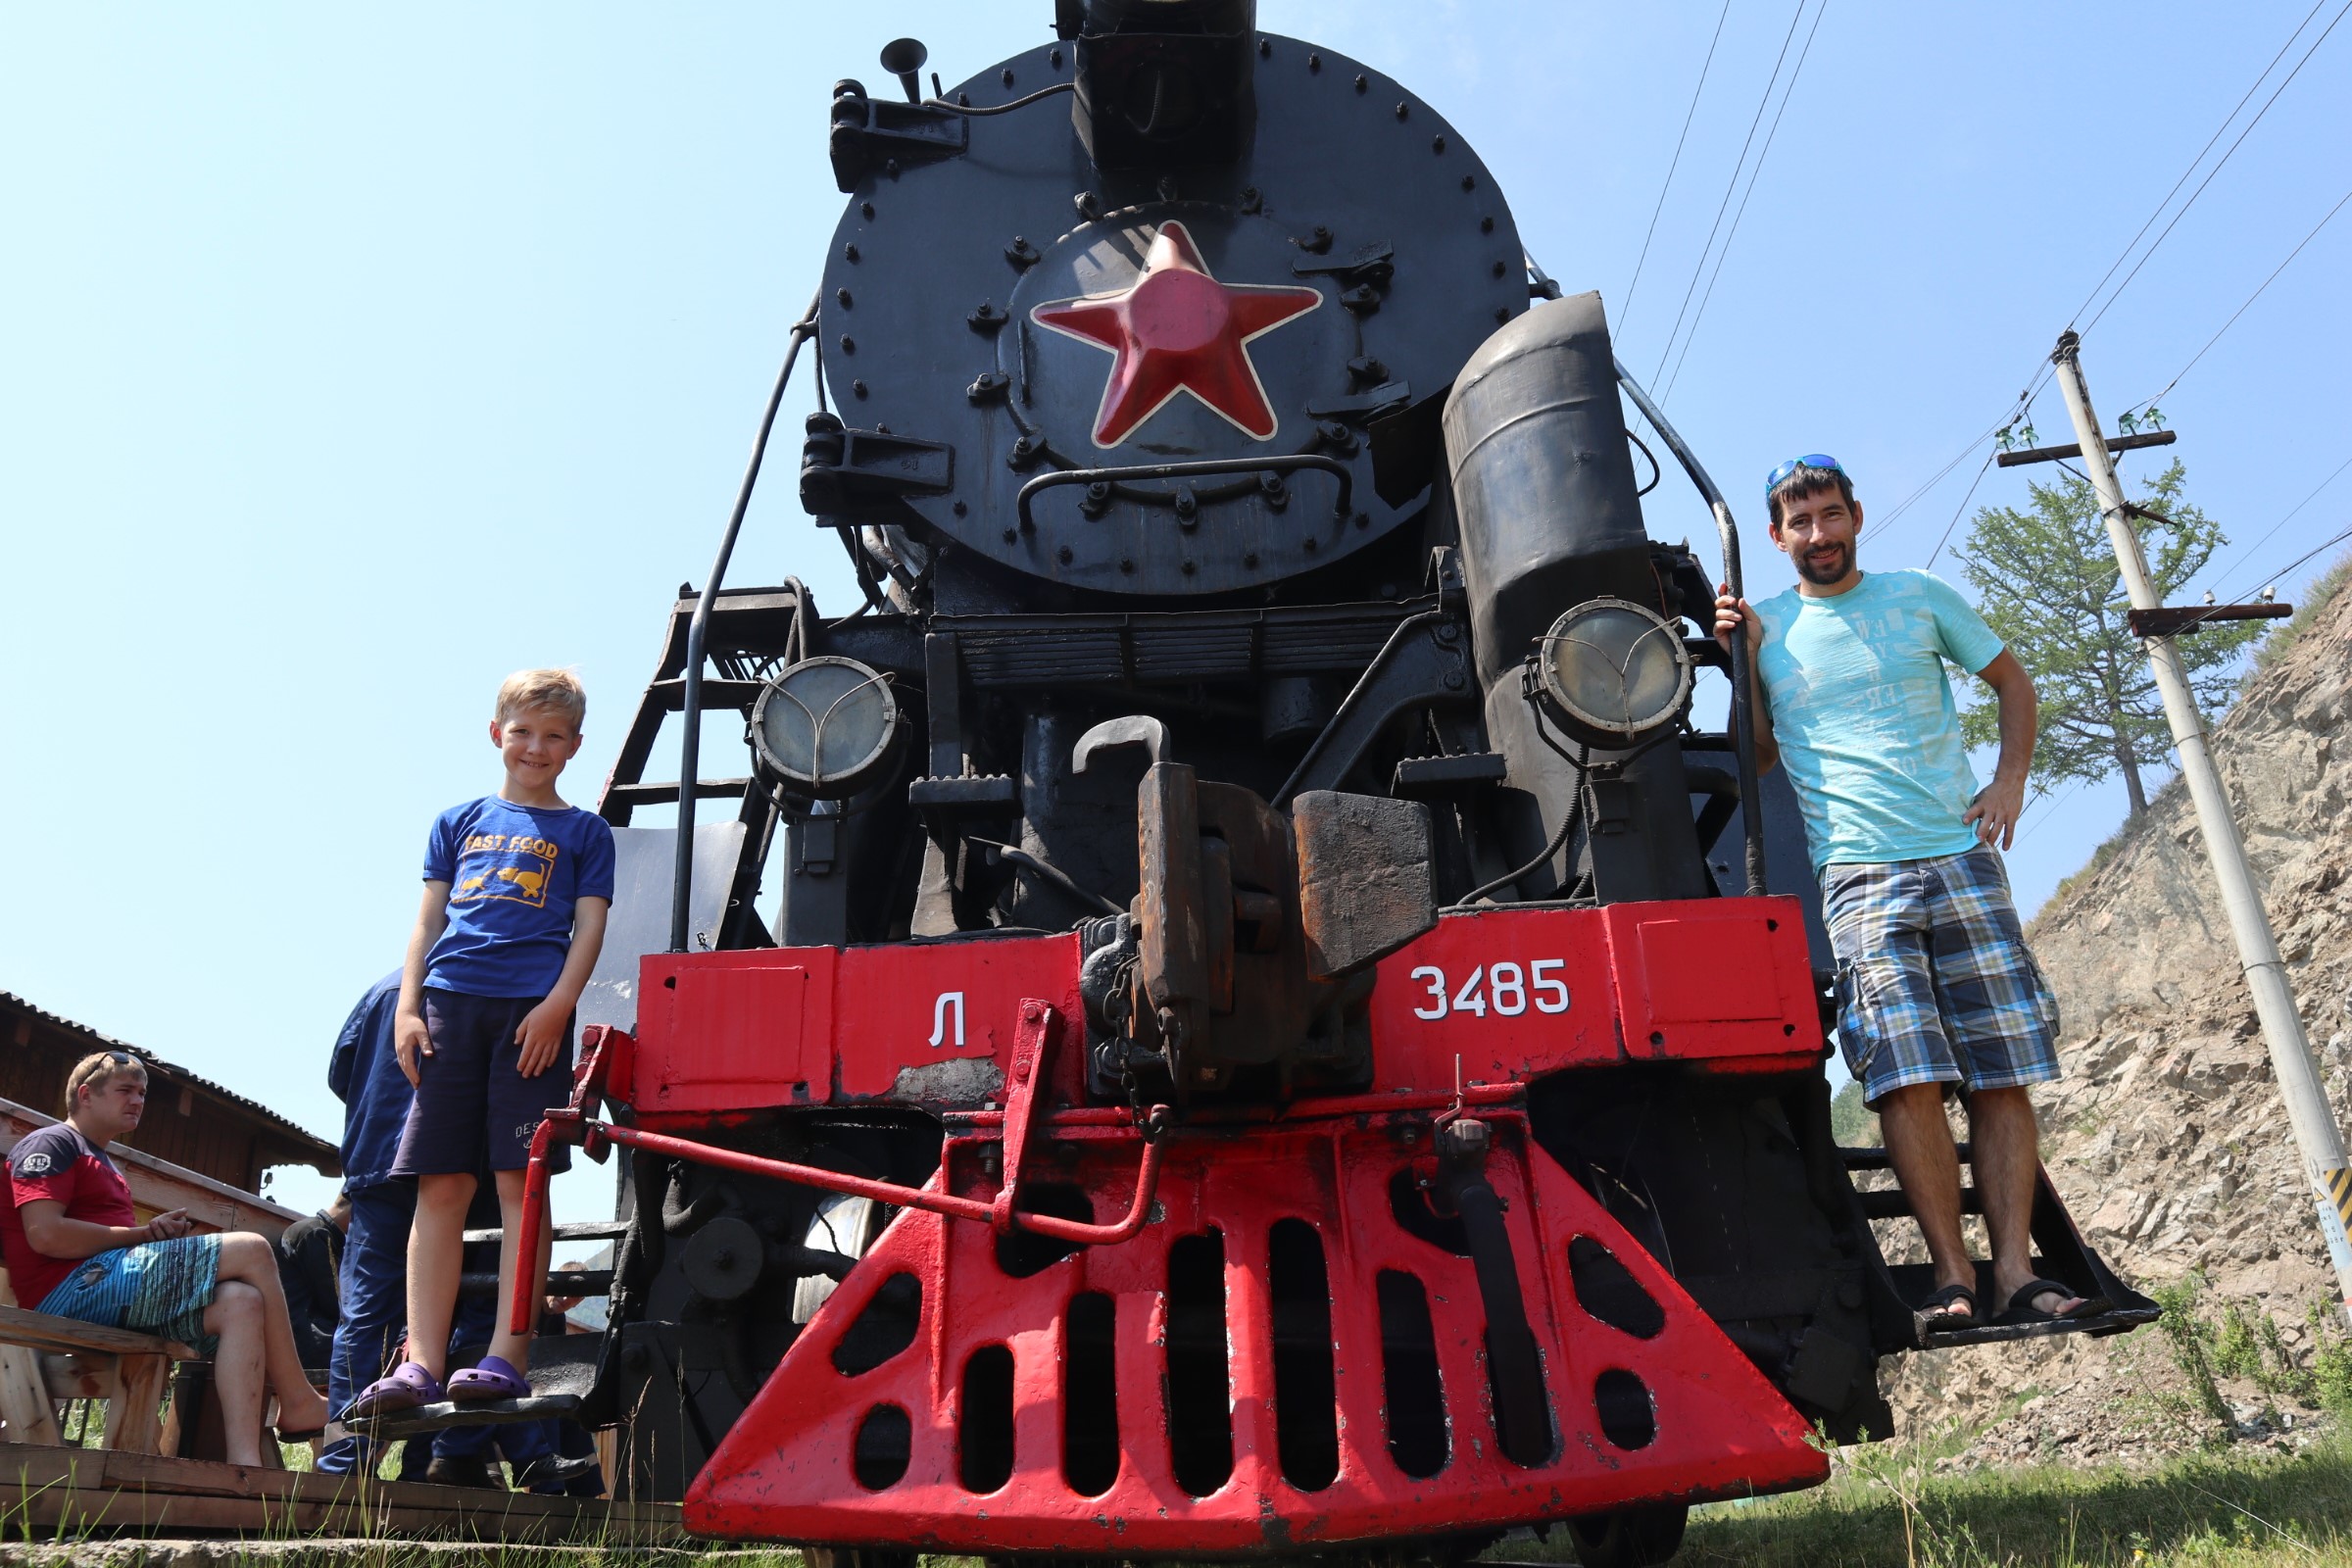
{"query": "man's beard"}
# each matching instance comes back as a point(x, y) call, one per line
point(1825, 573)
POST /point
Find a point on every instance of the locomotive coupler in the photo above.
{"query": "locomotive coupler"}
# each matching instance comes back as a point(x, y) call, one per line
point(1523, 1423)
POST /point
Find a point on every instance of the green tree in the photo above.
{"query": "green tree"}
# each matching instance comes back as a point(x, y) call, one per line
point(2046, 581)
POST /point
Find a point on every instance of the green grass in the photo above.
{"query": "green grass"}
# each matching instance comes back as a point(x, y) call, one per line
point(1886, 1505)
point(1890, 1507)
point(2208, 1508)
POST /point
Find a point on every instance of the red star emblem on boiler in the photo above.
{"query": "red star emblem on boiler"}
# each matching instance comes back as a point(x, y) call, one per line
point(1177, 329)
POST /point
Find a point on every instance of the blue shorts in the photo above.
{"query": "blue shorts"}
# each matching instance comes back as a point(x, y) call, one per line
point(473, 1109)
point(159, 1288)
point(1934, 983)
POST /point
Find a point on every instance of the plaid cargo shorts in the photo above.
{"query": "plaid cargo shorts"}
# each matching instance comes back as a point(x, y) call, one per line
point(1934, 983)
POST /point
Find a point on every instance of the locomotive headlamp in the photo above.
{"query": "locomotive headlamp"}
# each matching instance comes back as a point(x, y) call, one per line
point(826, 727)
point(1613, 670)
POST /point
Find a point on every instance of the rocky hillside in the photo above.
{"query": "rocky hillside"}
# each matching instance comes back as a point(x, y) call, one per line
point(2167, 1135)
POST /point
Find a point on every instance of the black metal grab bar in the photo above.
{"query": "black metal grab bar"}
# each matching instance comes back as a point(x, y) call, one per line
point(1193, 470)
point(698, 632)
point(1744, 738)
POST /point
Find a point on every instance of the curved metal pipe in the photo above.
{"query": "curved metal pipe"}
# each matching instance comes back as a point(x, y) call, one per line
point(1405, 628)
point(1199, 468)
point(698, 632)
point(1744, 738)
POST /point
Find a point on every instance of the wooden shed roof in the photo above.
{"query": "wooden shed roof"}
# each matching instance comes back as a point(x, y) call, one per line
point(233, 1140)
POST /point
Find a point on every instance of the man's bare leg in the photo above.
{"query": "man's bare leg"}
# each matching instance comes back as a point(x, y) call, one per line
point(236, 1315)
point(436, 1256)
point(2006, 1144)
point(512, 1347)
point(1919, 1142)
point(250, 1261)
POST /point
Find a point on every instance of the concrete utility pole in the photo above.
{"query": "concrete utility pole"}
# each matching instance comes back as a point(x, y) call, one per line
point(2307, 1110)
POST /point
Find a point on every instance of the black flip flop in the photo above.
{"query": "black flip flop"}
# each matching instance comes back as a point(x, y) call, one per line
point(2021, 1308)
point(1935, 1315)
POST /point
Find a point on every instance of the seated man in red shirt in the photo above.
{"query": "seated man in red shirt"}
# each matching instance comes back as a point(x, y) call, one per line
point(75, 1249)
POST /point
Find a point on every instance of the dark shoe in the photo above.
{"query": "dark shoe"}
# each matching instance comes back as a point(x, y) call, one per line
point(1935, 1315)
point(552, 1472)
point(2023, 1310)
point(462, 1470)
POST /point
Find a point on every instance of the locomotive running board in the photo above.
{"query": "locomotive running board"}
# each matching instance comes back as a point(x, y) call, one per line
point(1290, 1353)
point(2061, 1254)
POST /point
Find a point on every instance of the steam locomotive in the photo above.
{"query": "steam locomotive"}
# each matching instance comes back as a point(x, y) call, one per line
point(1236, 1013)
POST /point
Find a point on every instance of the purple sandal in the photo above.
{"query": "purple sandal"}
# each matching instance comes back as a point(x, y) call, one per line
point(408, 1387)
point(491, 1378)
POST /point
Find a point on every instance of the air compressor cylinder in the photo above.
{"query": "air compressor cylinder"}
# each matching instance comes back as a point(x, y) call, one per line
point(1542, 478)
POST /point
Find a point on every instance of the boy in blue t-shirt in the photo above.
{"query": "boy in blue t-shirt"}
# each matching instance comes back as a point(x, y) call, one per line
point(516, 888)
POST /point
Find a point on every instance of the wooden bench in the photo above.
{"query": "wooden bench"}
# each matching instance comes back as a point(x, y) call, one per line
point(44, 1358)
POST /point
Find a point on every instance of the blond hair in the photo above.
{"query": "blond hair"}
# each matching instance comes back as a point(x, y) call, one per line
point(97, 1071)
point(558, 689)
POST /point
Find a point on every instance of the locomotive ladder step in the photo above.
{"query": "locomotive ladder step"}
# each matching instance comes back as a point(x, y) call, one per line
point(426, 1418)
point(706, 789)
point(670, 696)
point(561, 1372)
point(1878, 1159)
point(559, 1282)
point(1892, 1203)
point(2116, 1321)
point(2060, 1254)
point(601, 1230)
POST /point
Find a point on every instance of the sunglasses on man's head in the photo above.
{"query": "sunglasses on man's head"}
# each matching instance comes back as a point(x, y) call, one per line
point(1811, 459)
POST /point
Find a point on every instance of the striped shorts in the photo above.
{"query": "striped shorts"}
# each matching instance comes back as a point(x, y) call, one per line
point(159, 1288)
point(1934, 983)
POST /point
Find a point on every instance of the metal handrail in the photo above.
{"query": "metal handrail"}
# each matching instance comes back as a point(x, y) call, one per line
point(1199, 468)
point(1744, 738)
point(698, 632)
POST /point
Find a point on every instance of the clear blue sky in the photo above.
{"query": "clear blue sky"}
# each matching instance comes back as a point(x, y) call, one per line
point(355, 356)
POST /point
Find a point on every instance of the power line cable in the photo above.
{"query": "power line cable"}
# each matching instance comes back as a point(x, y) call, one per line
point(2044, 370)
point(2025, 833)
point(1627, 308)
point(1724, 206)
point(2218, 165)
point(2218, 130)
point(1754, 175)
point(2289, 569)
point(2290, 517)
point(1962, 507)
point(1936, 478)
point(2016, 410)
point(2250, 299)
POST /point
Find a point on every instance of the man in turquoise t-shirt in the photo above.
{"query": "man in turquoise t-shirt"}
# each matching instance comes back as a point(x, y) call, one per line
point(1935, 984)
